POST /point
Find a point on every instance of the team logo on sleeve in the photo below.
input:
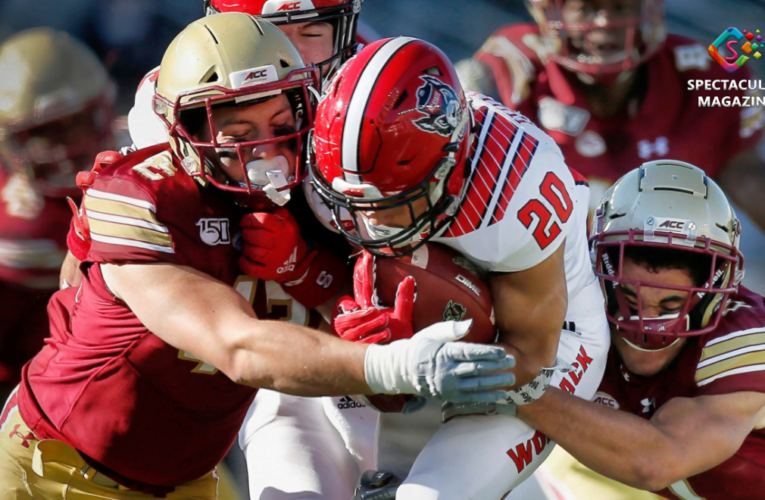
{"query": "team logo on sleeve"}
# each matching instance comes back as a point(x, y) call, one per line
point(214, 232)
point(440, 105)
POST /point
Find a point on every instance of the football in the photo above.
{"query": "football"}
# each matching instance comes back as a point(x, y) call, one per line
point(448, 287)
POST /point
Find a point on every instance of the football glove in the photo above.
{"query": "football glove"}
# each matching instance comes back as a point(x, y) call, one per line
point(78, 239)
point(432, 364)
point(274, 250)
point(359, 319)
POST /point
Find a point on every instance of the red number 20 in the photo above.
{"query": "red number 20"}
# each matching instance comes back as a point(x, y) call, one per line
point(560, 201)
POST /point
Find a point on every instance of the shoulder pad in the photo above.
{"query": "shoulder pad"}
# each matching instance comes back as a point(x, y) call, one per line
point(476, 76)
point(518, 50)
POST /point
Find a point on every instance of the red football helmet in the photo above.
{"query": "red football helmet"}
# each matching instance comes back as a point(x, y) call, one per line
point(393, 130)
point(666, 215)
point(342, 14)
point(628, 33)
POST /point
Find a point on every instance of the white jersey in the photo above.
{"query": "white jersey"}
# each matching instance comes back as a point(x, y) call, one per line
point(522, 202)
point(145, 127)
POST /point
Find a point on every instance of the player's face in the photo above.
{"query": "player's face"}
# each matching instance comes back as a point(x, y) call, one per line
point(60, 149)
point(314, 41)
point(655, 302)
point(266, 120)
point(604, 34)
point(398, 217)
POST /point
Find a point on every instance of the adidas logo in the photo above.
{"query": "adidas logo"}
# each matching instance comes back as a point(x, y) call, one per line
point(289, 265)
point(347, 403)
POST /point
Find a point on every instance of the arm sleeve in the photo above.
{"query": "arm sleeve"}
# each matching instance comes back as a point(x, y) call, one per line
point(124, 226)
point(734, 362)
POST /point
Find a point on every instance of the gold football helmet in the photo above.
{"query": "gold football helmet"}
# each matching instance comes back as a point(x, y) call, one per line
point(667, 204)
point(55, 108)
point(232, 59)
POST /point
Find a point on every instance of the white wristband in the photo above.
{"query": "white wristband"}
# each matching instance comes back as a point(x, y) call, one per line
point(383, 366)
point(536, 388)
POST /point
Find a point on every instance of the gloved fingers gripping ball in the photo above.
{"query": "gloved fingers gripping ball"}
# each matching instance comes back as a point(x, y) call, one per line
point(371, 325)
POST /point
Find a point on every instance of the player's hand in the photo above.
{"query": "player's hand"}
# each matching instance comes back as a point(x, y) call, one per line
point(508, 406)
point(358, 320)
point(78, 239)
point(432, 364)
point(273, 248)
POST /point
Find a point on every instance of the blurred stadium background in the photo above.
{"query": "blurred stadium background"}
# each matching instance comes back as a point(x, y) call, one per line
point(131, 35)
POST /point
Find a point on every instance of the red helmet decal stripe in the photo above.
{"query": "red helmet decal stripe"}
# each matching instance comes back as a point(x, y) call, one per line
point(360, 99)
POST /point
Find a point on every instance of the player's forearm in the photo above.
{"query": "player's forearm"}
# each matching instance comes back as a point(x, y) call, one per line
point(295, 360)
point(530, 307)
point(534, 337)
point(613, 443)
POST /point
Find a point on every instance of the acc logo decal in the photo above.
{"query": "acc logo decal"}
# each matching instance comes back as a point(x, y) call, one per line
point(604, 399)
point(253, 76)
point(440, 105)
point(290, 6)
point(454, 311)
point(214, 232)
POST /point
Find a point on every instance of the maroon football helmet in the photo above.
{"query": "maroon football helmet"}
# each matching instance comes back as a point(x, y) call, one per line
point(600, 37)
point(392, 131)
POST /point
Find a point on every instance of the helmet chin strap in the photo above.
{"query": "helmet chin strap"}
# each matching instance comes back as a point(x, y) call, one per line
point(270, 175)
point(642, 349)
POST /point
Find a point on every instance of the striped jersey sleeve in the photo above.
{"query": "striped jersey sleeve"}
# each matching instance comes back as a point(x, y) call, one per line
point(124, 226)
point(733, 362)
point(517, 208)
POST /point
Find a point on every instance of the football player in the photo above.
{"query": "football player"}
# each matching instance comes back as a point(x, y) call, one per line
point(681, 408)
point(604, 79)
point(55, 115)
point(155, 358)
point(410, 158)
point(325, 34)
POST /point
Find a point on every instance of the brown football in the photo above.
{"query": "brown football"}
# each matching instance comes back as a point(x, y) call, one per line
point(448, 287)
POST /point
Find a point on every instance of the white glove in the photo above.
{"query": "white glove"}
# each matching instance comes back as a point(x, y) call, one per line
point(427, 365)
point(507, 406)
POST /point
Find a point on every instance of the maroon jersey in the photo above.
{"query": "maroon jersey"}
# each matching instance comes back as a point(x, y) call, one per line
point(665, 122)
point(135, 406)
point(730, 359)
point(32, 247)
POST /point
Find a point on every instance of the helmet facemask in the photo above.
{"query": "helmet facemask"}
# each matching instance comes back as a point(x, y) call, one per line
point(349, 202)
point(263, 182)
point(51, 151)
point(716, 274)
point(599, 47)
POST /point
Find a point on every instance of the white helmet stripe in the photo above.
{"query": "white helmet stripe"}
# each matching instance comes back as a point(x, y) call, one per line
point(358, 104)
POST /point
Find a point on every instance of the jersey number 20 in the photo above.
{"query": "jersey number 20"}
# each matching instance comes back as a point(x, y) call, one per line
point(554, 192)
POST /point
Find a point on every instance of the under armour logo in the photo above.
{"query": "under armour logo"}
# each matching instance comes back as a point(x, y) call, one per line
point(648, 404)
point(646, 149)
point(24, 438)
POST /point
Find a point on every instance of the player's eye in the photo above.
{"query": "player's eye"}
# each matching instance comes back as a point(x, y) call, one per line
point(280, 131)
